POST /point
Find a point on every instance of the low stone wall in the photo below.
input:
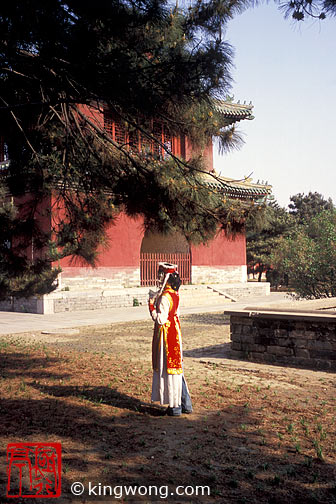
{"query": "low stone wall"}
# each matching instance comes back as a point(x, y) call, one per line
point(64, 301)
point(118, 277)
point(22, 305)
point(97, 301)
point(299, 339)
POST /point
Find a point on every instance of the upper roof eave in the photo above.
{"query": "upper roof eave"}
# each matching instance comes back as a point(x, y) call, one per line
point(237, 188)
point(237, 111)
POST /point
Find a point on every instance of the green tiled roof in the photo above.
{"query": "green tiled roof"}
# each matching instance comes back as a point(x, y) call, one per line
point(237, 189)
point(234, 111)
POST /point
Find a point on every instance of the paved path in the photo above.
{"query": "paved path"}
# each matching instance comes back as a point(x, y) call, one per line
point(11, 323)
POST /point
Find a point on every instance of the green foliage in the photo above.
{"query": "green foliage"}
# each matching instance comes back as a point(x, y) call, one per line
point(304, 207)
point(263, 239)
point(301, 10)
point(59, 62)
point(296, 248)
point(141, 60)
point(308, 256)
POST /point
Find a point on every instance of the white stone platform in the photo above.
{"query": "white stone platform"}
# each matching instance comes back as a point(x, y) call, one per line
point(78, 295)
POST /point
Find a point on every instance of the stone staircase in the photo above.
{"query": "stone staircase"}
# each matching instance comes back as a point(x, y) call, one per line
point(90, 294)
point(78, 294)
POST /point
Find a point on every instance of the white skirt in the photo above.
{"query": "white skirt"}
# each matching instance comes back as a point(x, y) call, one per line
point(166, 388)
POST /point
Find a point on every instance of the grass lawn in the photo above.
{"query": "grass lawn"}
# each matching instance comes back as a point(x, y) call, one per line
point(258, 434)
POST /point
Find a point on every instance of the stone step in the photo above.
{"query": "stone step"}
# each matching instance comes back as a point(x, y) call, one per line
point(75, 300)
point(92, 293)
point(140, 295)
point(94, 283)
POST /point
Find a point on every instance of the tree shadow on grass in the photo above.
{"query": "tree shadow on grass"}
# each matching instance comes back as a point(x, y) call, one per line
point(18, 364)
point(108, 438)
point(224, 351)
point(102, 395)
point(207, 318)
point(219, 351)
point(236, 464)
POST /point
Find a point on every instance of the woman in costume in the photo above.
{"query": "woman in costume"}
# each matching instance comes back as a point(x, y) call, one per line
point(169, 386)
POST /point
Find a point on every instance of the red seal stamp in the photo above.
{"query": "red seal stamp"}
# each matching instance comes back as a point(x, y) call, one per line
point(34, 470)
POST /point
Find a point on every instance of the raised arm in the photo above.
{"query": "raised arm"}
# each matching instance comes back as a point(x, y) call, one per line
point(160, 313)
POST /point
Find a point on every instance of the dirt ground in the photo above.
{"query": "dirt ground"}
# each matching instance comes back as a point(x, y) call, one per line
point(258, 433)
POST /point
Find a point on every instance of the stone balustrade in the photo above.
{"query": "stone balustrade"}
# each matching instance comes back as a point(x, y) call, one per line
point(304, 338)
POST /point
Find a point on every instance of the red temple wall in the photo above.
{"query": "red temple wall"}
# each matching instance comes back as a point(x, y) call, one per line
point(222, 251)
point(123, 245)
point(206, 153)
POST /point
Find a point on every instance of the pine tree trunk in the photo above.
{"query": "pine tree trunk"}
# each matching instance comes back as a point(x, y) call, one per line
point(260, 274)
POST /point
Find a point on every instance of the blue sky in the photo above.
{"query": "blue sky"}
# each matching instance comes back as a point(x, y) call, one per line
point(288, 71)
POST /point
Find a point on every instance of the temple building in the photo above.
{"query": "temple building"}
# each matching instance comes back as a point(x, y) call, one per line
point(132, 254)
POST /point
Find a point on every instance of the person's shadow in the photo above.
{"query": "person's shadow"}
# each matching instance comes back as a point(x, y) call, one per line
point(103, 395)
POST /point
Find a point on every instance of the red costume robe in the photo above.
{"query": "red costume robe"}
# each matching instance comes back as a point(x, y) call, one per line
point(170, 331)
point(167, 350)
